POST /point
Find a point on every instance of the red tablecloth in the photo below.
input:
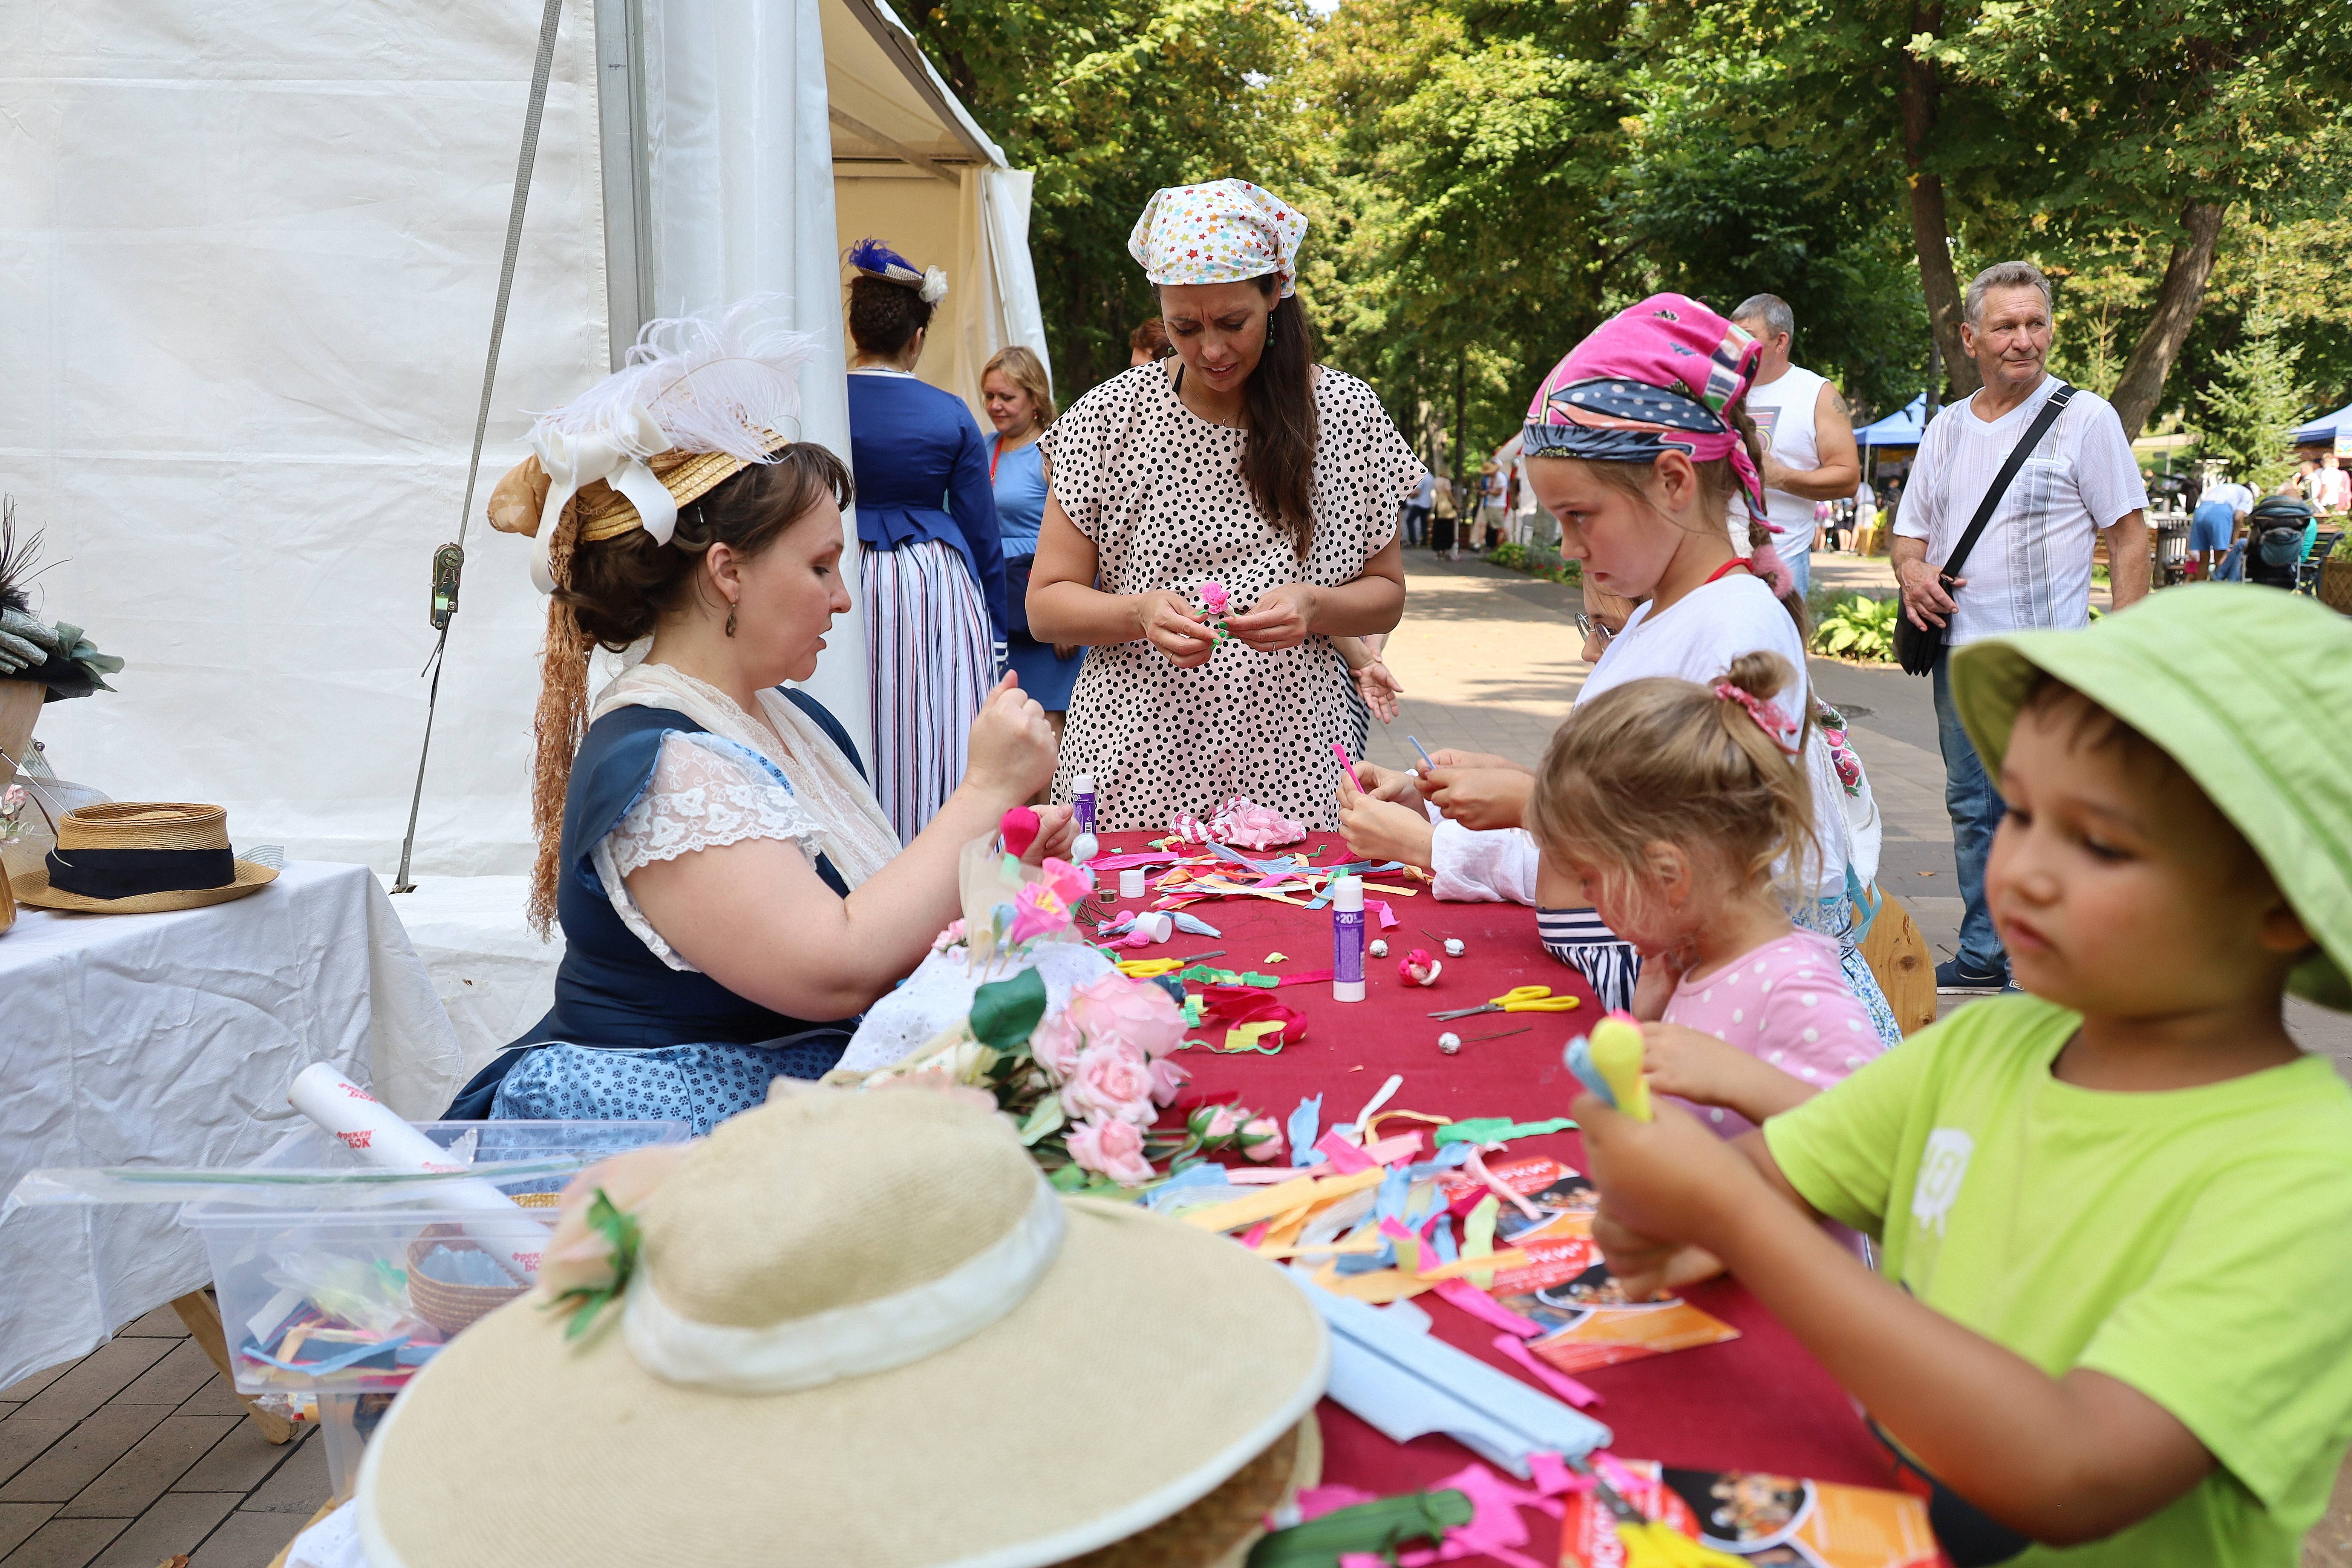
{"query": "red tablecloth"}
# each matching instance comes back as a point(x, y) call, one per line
point(1758, 1402)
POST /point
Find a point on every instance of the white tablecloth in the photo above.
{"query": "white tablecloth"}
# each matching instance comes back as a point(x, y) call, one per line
point(169, 1039)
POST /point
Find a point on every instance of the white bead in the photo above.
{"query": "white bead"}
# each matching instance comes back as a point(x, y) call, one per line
point(1449, 1043)
point(1379, 948)
point(1452, 947)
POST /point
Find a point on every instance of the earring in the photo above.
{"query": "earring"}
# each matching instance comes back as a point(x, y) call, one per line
point(730, 619)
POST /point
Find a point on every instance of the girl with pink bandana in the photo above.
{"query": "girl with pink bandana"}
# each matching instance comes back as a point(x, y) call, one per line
point(1636, 443)
point(1237, 462)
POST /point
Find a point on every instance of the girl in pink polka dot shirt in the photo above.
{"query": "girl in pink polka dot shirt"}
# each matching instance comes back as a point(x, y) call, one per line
point(1684, 808)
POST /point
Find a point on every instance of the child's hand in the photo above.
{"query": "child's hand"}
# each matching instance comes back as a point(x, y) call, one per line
point(1057, 829)
point(1479, 798)
point(1664, 1185)
point(1381, 830)
point(1447, 757)
point(1698, 1067)
point(1661, 974)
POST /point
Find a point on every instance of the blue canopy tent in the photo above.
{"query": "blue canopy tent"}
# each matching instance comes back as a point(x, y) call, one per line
point(2321, 432)
point(1901, 429)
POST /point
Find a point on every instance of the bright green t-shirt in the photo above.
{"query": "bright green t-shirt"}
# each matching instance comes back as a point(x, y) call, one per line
point(2195, 1244)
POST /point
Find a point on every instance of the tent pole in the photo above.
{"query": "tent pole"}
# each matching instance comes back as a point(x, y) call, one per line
point(523, 162)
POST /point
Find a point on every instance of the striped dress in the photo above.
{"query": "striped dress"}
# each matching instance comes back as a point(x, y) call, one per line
point(932, 579)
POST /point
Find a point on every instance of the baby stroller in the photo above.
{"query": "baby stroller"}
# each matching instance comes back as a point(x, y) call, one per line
point(2278, 534)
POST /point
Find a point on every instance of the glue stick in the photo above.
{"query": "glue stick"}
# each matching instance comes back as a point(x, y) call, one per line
point(1082, 801)
point(1347, 938)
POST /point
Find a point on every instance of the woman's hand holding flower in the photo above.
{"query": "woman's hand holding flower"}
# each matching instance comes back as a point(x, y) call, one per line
point(1282, 617)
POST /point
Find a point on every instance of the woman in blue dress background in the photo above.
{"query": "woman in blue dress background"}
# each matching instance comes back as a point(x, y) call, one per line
point(932, 565)
point(1020, 401)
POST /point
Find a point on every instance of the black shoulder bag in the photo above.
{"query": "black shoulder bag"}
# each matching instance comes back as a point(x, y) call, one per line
point(1917, 647)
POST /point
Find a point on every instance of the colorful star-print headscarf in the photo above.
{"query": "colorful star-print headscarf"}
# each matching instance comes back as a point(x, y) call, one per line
point(1224, 232)
point(1654, 377)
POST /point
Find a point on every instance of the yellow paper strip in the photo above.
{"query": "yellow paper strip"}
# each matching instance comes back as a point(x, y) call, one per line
point(1284, 1233)
point(1380, 1287)
point(1465, 1268)
point(1478, 1238)
point(1388, 887)
point(1280, 1199)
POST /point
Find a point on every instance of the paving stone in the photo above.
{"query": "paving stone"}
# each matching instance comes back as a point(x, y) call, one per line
point(97, 1378)
point(172, 1379)
point(19, 1520)
point(239, 1462)
point(245, 1538)
point(176, 1524)
point(67, 1544)
point(145, 1473)
point(163, 1323)
point(214, 1396)
point(83, 1454)
point(22, 1440)
point(23, 1388)
point(298, 1486)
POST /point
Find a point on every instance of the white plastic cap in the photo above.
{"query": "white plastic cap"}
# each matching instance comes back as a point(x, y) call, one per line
point(1348, 893)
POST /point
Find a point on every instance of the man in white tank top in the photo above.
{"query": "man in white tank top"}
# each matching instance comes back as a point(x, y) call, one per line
point(1805, 430)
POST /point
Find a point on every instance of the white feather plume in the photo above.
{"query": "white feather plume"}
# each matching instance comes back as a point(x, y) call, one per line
point(712, 385)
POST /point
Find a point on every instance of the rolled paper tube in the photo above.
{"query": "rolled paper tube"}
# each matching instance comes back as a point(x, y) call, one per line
point(361, 1124)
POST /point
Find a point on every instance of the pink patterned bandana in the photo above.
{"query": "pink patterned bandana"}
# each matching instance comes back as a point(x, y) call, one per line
point(1226, 231)
point(1654, 377)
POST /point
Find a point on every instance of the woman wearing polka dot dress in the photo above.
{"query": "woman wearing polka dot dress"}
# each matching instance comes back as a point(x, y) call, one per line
point(1238, 461)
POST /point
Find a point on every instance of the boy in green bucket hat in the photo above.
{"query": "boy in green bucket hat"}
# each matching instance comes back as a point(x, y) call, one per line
point(2114, 1321)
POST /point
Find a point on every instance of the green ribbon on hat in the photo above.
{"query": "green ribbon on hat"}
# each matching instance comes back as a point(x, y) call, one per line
point(2249, 689)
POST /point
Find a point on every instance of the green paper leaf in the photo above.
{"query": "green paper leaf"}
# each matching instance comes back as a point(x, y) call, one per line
point(1497, 1129)
point(1005, 1012)
point(1046, 1118)
point(1068, 1179)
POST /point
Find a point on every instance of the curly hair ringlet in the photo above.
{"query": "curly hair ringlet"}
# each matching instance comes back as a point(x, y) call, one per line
point(1664, 760)
point(613, 593)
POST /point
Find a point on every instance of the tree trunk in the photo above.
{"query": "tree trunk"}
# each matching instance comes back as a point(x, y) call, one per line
point(1919, 91)
point(1460, 426)
point(2142, 381)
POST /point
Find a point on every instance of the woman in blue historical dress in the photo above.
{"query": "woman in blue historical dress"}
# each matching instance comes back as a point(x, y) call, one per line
point(1020, 403)
point(731, 894)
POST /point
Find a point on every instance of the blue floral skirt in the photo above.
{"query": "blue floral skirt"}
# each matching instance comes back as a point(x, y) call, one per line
point(700, 1085)
point(1833, 918)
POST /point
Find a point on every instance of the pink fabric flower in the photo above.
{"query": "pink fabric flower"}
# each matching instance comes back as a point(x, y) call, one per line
point(1213, 596)
point(1418, 967)
point(1066, 882)
point(1131, 1011)
point(580, 1258)
point(948, 938)
point(1213, 1124)
point(1055, 1044)
point(1168, 1076)
point(1261, 1139)
point(1037, 912)
point(1112, 1083)
point(1113, 1149)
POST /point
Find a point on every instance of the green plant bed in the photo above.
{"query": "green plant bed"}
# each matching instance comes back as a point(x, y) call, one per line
point(1535, 563)
point(1858, 626)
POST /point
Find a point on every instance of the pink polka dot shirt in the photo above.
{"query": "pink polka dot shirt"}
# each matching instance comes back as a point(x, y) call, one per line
point(1785, 1003)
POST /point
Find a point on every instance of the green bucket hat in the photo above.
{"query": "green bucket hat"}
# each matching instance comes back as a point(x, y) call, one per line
point(2249, 691)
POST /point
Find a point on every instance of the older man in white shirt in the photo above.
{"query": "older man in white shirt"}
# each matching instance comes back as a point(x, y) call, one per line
point(2031, 566)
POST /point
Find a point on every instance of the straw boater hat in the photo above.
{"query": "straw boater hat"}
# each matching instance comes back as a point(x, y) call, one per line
point(864, 1331)
point(135, 857)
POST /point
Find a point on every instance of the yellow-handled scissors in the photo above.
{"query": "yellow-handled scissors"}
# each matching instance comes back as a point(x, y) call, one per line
point(1153, 968)
point(1518, 999)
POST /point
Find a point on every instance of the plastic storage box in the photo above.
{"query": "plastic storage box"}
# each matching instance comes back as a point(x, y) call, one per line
point(345, 1288)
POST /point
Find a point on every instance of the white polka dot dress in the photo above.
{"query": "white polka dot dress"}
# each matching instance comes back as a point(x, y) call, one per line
point(1159, 491)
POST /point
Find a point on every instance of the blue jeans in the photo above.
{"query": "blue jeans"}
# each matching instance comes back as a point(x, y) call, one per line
point(1797, 549)
point(1976, 809)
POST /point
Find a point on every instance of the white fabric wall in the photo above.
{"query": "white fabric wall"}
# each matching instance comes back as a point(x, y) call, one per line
point(246, 281)
point(741, 175)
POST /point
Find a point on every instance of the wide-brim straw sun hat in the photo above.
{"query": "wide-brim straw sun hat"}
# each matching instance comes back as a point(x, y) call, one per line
point(2249, 691)
point(141, 857)
point(864, 1331)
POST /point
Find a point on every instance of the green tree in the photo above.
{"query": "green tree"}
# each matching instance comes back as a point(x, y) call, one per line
point(2254, 403)
point(1106, 103)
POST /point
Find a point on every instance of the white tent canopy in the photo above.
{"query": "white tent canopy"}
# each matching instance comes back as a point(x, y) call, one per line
point(245, 292)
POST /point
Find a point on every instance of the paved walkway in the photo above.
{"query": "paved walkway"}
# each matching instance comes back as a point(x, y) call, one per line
point(136, 1454)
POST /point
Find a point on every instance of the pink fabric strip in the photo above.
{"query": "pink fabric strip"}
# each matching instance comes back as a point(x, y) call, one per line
point(1559, 1382)
point(1346, 1158)
point(1486, 1310)
point(1380, 908)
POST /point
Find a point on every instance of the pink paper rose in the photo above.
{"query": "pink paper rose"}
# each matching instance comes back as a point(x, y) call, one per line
point(1113, 1149)
point(1213, 598)
point(1168, 1076)
point(1261, 1139)
point(1113, 1082)
point(580, 1258)
point(1066, 881)
point(1131, 1012)
point(1055, 1044)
